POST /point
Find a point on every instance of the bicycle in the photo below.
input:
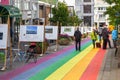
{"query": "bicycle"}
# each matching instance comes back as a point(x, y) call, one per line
point(31, 54)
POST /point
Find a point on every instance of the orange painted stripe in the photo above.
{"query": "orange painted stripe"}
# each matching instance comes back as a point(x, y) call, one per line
point(77, 71)
point(92, 70)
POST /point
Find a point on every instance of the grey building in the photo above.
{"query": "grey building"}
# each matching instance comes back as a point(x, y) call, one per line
point(28, 8)
point(85, 11)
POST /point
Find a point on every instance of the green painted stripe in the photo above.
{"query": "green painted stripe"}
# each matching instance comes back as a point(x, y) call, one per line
point(46, 72)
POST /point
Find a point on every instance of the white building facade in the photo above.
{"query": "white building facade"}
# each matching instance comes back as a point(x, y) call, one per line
point(85, 11)
point(99, 18)
point(29, 9)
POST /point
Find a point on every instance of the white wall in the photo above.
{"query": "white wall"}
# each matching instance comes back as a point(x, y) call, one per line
point(98, 13)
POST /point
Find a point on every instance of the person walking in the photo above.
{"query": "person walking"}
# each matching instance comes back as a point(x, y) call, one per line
point(77, 36)
point(93, 36)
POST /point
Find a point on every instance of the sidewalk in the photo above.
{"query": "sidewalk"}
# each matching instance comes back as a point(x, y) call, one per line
point(110, 69)
point(68, 64)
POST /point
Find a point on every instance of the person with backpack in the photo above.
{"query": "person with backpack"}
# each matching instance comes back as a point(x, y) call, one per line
point(77, 36)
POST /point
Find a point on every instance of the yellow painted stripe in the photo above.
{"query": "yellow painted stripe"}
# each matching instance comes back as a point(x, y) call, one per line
point(63, 70)
point(77, 71)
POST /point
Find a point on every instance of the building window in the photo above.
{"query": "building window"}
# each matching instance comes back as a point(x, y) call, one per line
point(71, 10)
point(101, 8)
point(101, 16)
point(34, 6)
point(87, 8)
point(87, 20)
point(87, 0)
point(17, 4)
point(26, 6)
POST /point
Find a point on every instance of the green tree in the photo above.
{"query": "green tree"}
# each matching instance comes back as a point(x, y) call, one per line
point(74, 20)
point(113, 11)
point(60, 14)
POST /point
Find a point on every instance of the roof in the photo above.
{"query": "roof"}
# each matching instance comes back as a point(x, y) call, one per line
point(10, 10)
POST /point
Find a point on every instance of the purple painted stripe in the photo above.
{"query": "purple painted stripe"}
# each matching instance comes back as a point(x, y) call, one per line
point(24, 68)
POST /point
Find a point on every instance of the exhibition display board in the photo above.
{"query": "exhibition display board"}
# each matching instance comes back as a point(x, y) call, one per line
point(51, 32)
point(69, 30)
point(31, 33)
point(3, 36)
point(85, 29)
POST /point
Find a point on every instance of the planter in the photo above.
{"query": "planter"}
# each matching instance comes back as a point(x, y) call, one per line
point(63, 42)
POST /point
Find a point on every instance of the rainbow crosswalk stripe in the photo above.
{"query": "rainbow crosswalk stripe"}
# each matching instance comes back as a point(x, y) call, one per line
point(66, 64)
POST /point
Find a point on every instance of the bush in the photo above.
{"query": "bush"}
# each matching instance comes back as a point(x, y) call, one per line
point(64, 36)
point(64, 39)
point(2, 57)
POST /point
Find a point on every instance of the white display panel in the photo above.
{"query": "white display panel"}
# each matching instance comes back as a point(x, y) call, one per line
point(51, 32)
point(69, 30)
point(3, 36)
point(81, 29)
point(31, 33)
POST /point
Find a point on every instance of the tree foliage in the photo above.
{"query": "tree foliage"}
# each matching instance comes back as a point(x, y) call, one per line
point(74, 20)
point(113, 11)
point(61, 15)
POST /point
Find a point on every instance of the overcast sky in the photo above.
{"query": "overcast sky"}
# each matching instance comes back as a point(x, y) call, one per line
point(69, 2)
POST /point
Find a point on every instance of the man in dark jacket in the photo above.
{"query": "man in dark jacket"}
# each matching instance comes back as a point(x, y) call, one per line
point(105, 35)
point(77, 36)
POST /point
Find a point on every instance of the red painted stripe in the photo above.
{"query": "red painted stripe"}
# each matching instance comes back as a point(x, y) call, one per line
point(93, 68)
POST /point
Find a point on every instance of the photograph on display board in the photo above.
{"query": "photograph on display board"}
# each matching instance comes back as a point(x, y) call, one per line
point(67, 29)
point(1, 35)
point(49, 30)
point(31, 30)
